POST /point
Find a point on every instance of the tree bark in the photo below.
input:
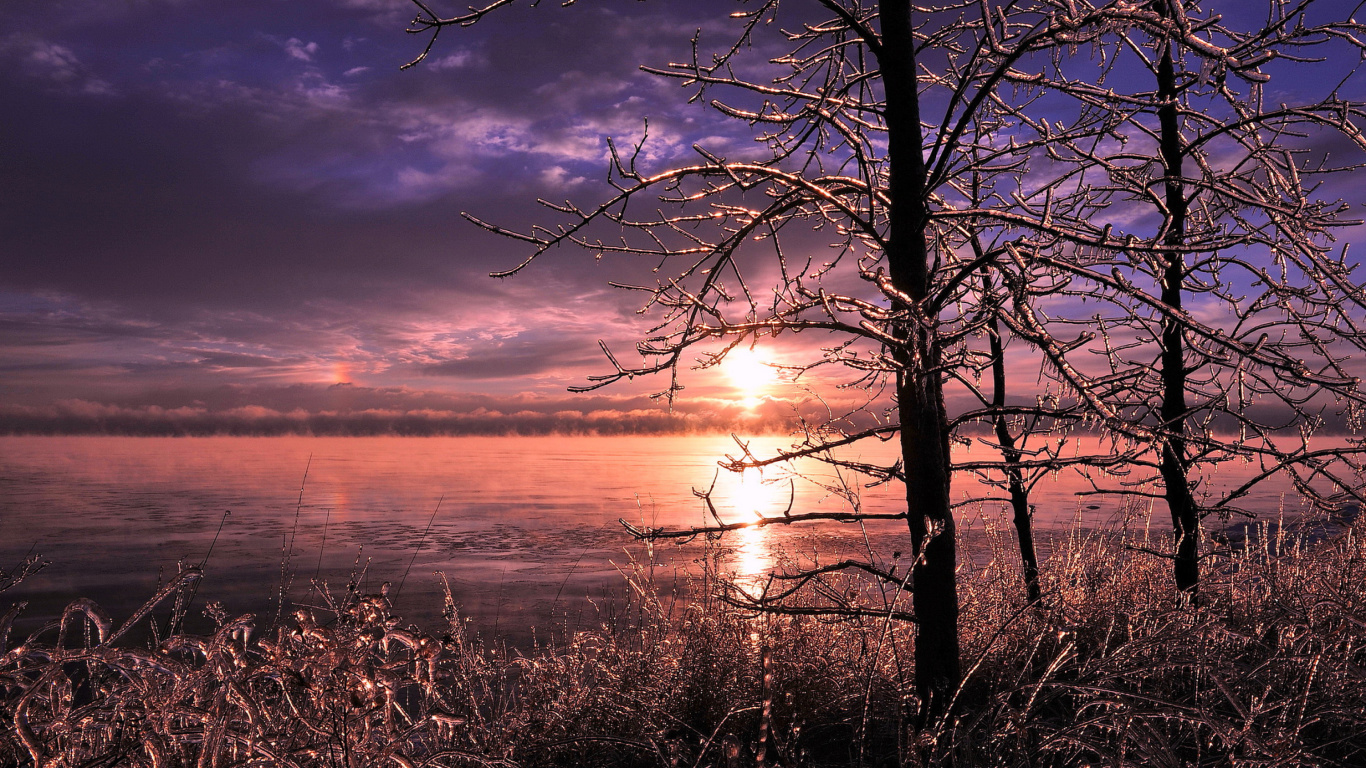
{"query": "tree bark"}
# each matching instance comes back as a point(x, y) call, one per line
point(919, 386)
point(1175, 468)
point(1019, 494)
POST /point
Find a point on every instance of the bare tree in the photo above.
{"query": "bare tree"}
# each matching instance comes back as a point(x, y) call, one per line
point(957, 163)
point(853, 156)
point(1234, 318)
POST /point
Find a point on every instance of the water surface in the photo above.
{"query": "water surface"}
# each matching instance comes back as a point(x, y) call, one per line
point(526, 531)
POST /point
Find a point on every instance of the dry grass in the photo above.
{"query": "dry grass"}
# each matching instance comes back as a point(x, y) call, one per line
point(1115, 670)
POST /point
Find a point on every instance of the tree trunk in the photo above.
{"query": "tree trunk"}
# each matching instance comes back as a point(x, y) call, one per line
point(919, 385)
point(1019, 495)
point(1175, 469)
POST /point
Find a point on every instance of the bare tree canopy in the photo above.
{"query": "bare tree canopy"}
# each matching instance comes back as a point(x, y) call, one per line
point(1111, 194)
point(1226, 316)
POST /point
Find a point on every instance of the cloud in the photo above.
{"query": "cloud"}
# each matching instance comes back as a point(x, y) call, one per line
point(401, 412)
point(378, 5)
point(458, 60)
point(53, 63)
point(515, 358)
point(558, 178)
point(497, 336)
point(384, 13)
point(298, 49)
point(229, 360)
point(336, 119)
point(307, 97)
point(463, 146)
point(319, 92)
point(56, 62)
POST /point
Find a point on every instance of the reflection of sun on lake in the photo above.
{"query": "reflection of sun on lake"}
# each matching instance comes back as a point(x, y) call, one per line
point(752, 559)
point(751, 498)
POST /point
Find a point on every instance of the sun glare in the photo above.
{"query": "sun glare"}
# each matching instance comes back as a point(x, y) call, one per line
point(753, 557)
point(749, 374)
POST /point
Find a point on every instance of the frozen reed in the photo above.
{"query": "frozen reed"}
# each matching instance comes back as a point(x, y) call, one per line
point(1111, 668)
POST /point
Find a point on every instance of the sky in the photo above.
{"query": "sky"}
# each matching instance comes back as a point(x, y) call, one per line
point(242, 216)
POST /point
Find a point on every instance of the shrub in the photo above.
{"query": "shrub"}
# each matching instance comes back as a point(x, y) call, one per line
point(1112, 668)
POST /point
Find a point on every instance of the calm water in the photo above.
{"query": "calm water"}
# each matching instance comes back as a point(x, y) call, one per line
point(526, 531)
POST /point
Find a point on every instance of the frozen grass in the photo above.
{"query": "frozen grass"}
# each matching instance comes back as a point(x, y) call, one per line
point(1114, 670)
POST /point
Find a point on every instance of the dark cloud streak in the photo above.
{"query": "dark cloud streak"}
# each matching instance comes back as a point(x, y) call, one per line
point(351, 410)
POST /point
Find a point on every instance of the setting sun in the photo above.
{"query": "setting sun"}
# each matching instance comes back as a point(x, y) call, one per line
point(749, 374)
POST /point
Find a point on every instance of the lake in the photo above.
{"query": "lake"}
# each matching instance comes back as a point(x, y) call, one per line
point(526, 531)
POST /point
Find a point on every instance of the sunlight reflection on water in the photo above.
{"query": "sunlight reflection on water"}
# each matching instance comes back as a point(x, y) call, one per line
point(528, 524)
point(754, 497)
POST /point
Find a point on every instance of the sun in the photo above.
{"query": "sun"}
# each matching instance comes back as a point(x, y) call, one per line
point(749, 374)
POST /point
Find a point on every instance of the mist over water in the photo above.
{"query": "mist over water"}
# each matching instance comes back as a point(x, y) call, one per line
point(526, 531)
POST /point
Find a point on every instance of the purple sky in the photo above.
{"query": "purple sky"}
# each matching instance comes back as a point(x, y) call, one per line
point(215, 212)
point(242, 216)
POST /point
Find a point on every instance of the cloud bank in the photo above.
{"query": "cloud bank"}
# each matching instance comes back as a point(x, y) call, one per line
point(357, 411)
